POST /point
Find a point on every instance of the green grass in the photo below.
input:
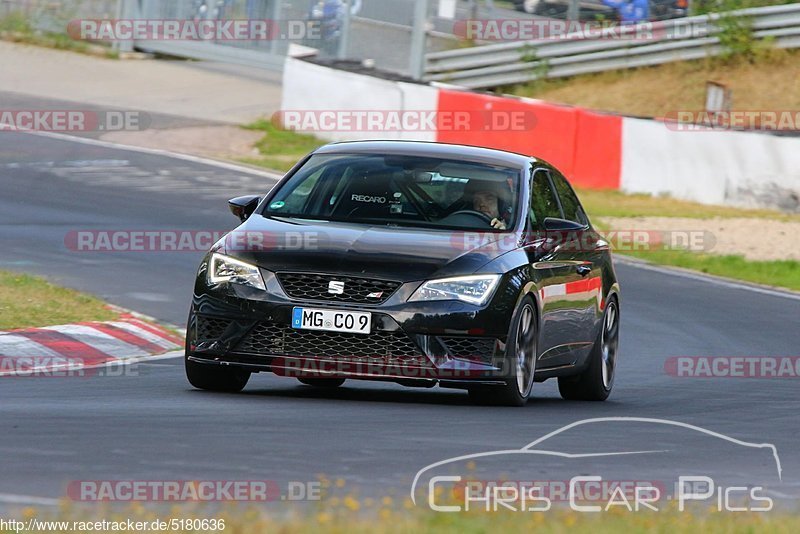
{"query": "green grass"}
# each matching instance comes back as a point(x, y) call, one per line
point(30, 301)
point(610, 203)
point(280, 149)
point(16, 28)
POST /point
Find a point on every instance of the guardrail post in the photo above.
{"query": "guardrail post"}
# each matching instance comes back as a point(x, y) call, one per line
point(275, 14)
point(419, 35)
point(344, 37)
point(126, 9)
point(573, 12)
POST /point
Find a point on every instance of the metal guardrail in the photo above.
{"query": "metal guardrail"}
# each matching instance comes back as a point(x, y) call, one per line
point(678, 39)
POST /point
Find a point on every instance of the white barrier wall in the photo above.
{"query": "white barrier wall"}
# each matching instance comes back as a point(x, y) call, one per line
point(712, 167)
point(307, 86)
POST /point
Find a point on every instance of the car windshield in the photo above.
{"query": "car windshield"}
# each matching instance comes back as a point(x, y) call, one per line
point(400, 190)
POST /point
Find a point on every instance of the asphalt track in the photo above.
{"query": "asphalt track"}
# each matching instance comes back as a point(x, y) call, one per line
point(151, 425)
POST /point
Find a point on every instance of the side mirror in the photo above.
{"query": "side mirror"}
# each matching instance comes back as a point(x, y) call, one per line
point(554, 224)
point(243, 207)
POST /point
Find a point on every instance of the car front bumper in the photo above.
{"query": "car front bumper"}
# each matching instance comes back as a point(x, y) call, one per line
point(449, 342)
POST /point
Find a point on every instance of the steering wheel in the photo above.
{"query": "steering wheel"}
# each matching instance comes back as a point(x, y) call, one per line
point(487, 219)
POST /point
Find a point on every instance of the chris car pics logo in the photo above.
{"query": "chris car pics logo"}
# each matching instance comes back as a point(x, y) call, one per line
point(457, 491)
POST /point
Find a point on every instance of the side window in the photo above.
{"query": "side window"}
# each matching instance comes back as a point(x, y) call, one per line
point(569, 201)
point(543, 200)
point(296, 200)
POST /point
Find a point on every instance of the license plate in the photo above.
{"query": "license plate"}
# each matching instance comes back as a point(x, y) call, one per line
point(331, 320)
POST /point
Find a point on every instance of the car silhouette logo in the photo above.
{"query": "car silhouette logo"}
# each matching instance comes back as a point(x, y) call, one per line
point(532, 448)
point(335, 287)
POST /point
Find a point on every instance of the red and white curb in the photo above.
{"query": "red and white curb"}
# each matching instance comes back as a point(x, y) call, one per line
point(49, 349)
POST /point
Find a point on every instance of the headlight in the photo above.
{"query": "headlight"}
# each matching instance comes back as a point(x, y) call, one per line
point(226, 269)
point(475, 289)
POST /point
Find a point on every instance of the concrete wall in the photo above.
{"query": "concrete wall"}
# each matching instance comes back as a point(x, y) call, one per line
point(307, 86)
point(712, 167)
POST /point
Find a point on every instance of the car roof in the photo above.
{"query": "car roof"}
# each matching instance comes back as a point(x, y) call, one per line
point(429, 149)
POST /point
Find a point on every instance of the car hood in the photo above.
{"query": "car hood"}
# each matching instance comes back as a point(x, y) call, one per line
point(394, 253)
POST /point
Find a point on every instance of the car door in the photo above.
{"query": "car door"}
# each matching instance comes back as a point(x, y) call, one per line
point(549, 268)
point(562, 270)
point(582, 250)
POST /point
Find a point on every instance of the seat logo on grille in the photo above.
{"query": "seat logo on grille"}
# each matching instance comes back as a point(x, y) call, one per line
point(335, 287)
point(375, 295)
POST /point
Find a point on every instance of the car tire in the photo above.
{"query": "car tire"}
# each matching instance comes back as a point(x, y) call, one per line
point(322, 382)
point(212, 377)
point(597, 380)
point(521, 355)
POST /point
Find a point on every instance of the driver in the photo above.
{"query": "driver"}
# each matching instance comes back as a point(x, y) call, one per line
point(487, 198)
point(487, 201)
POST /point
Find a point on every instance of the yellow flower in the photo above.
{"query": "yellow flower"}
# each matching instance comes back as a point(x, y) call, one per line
point(351, 503)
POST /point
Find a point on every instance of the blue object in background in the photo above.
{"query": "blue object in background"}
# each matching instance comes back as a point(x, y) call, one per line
point(630, 10)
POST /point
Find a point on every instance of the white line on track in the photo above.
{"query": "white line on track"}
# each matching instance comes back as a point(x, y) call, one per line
point(10, 498)
point(154, 151)
point(708, 278)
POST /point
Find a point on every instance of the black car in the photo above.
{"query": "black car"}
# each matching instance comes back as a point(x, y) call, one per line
point(412, 262)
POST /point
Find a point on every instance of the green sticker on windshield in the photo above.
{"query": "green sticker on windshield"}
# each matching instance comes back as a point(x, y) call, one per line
point(277, 205)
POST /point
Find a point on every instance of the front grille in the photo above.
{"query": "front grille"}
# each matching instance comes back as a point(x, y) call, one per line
point(210, 328)
point(478, 349)
point(380, 347)
point(309, 286)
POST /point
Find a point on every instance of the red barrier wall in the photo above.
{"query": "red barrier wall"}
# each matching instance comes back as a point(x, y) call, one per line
point(597, 160)
point(584, 146)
